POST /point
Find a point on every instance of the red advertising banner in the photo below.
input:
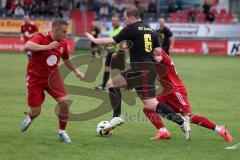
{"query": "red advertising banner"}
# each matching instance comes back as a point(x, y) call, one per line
point(186, 47)
point(14, 44)
point(217, 47)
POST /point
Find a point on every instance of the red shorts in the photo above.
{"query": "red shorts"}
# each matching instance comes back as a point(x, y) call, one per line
point(37, 85)
point(178, 101)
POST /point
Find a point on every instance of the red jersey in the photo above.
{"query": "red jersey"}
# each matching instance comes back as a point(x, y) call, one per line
point(168, 76)
point(43, 63)
point(28, 28)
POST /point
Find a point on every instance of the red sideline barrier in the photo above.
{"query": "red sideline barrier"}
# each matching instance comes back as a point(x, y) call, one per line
point(200, 47)
point(14, 44)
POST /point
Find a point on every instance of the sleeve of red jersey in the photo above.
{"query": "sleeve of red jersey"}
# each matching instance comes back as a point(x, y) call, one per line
point(37, 39)
point(65, 54)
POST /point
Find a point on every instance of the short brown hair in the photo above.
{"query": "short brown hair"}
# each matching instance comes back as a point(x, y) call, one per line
point(133, 12)
point(59, 22)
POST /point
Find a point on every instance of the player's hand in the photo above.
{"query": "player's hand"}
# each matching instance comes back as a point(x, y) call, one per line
point(80, 75)
point(89, 36)
point(53, 45)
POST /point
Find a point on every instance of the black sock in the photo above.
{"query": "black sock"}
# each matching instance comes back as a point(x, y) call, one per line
point(105, 78)
point(93, 53)
point(165, 111)
point(115, 98)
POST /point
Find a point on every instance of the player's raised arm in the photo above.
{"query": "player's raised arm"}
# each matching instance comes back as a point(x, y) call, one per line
point(31, 46)
point(100, 41)
point(70, 65)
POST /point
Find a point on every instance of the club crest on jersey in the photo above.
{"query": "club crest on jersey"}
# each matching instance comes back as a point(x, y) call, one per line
point(45, 33)
point(52, 60)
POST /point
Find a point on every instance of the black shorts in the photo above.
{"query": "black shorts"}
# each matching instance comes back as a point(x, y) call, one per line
point(142, 78)
point(94, 45)
point(116, 63)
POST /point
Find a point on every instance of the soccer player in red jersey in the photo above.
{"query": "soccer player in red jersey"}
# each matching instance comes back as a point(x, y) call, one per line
point(43, 75)
point(28, 30)
point(175, 96)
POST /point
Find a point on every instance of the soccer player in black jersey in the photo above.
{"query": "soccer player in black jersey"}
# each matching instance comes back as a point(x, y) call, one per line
point(95, 32)
point(166, 35)
point(142, 74)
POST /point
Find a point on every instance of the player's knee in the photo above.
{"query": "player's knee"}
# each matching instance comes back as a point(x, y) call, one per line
point(150, 103)
point(64, 103)
point(110, 84)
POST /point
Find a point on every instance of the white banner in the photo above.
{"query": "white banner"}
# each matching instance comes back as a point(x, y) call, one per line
point(189, 29)
point(202, 30)
point(233, 47)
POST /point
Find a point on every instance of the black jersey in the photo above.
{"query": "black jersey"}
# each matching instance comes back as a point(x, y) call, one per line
point(165, 34)
point(143, 40)
point(95, 31)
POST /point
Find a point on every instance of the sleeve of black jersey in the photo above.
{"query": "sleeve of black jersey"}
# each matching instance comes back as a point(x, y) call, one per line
point(125, 34)
point(155, 40)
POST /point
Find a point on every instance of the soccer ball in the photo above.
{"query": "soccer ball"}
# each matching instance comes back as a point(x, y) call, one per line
point(101, 125)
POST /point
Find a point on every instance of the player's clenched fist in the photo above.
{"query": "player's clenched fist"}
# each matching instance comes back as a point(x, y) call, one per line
point(80, 75)
point(53, 45)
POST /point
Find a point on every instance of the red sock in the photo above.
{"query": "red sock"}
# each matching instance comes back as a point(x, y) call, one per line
point(202, 121)
point(62, 119)
point(154, 117)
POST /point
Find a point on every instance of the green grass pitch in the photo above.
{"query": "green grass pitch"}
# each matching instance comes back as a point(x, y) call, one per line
point(213, 85)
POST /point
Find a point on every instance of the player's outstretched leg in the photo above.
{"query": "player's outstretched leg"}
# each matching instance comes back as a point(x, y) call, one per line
point(35, 111)
point(155, 119)
point(63, 118)
point(168, 113)
point(165, 111)
point(204, 122)
point(115, 98)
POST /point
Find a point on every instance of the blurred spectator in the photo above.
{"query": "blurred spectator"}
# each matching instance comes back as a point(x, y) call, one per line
point(10, 7)
point(56, 13)
point(19, 11)
point(192, 15)
point(104, 9)
point(43, 11)
point(66, 4)
point(172, 7)
point(33, 9)
point(137, 5)
point(210, 17)
point(152, 7)
point(82, 5)
point(96, 6)
point(3, 12)
point(206, 7)
point(179, 5)
point(27, 3)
